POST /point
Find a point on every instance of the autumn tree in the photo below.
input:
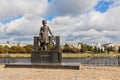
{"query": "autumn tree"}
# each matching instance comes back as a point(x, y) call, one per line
point(17, 49)
point(83, 47)
point(28, 48)
point(66, 48)
point(2, 49)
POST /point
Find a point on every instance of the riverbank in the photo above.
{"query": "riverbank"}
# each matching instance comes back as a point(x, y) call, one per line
point(85, 73)
point(64, 55)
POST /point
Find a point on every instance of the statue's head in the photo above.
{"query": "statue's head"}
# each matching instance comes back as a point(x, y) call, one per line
point(44, 22)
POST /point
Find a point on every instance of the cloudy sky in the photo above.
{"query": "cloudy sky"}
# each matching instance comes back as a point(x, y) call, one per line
point(74, 20)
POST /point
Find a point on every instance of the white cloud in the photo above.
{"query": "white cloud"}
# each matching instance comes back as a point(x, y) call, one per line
point(1, 28)
point(27, 25)
point(82, 27)
point(111, 33)
point(92, 25)
point(116, 3)
point(2, 33)
point(89, 33)
point(70, 7)
point(10, 8)
point(105, 21)
point(22, 29)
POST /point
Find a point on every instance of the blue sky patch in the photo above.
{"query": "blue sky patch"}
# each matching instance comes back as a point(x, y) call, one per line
point(49, 17)
point(103, 6)
point(9, 19)
point(49, 0)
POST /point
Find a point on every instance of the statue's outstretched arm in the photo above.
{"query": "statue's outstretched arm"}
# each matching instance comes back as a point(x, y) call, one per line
point(40, 34)
point(53, 38)
point(50, 32)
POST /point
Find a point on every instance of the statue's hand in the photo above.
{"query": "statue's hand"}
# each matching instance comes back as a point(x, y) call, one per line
point(53, 38)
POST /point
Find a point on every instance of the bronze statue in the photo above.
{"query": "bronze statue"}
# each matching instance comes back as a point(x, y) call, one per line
point(43, 35)
point(50, 47)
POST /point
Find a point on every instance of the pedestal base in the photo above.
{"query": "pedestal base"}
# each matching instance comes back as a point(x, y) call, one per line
point(43, 66)
point(46, 57)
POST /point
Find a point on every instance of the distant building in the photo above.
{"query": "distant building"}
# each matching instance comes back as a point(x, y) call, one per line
point(72, 45)
point(13, 44)
point(99, 47)
point(118, 45)
point(115, 47)
point(75, 45)
point(108, 45)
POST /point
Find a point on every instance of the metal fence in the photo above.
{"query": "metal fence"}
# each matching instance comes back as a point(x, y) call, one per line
point(104, 61)
point(101, 61)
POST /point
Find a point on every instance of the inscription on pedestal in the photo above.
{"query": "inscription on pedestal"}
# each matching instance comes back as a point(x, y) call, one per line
point(45, 57)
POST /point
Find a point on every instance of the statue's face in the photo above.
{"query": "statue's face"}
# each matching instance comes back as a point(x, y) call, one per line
point(44, 22)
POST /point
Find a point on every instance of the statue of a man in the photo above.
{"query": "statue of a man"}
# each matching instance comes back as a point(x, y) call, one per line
point(43, 35)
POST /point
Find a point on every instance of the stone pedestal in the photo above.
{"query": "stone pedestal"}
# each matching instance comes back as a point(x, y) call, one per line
point(50, 56)
point(46, 57)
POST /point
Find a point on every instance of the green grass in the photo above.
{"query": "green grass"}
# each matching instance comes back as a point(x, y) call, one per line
point(64, 55)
